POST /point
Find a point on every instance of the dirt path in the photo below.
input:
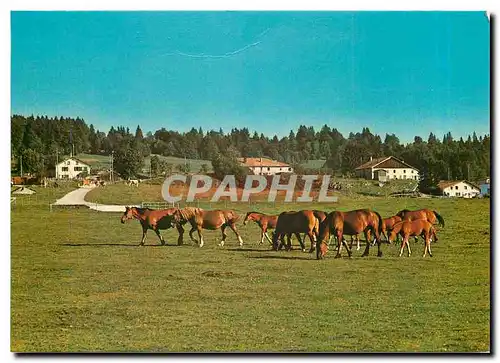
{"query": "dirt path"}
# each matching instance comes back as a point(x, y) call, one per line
point(77, 197)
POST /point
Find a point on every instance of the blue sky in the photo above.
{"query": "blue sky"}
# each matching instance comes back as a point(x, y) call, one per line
point(407, 73)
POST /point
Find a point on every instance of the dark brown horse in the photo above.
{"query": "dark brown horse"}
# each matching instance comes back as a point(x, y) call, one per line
point(153, 219)
point(416, 227)
point(211, 220)
point(304, 221)
point(350, 223)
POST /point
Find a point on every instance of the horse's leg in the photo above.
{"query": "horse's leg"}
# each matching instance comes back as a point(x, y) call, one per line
point(191, 234)
point(403, 242)
point(302, 242)
point(408, 246)
point(269, 239)
point(347, 247)
point(340, 237)
point(358, 244)
point(233, 228)
point(352, 241)
point(200, 236)
point(144, 231)
point(224, 235)
point(162, 241)
point(288, 246)
point(312, 237)
point(262, 233)
point(180, 240)
point(367, 248)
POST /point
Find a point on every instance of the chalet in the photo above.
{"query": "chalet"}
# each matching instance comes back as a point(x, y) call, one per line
point(71, 168)
point(264, 166)
point(459, 188)
point(386, 168)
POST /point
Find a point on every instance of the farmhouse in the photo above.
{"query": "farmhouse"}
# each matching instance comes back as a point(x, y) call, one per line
point(264, 166)
point(460, 188)
point(386, 168)
point(71, 168)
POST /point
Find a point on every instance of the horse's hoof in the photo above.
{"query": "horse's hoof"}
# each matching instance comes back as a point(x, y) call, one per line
point(304, 250)
point(337, 256)
point(379, 254)
point(357, 249)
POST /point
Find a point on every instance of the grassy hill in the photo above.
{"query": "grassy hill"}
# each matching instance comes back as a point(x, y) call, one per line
point(103, 162)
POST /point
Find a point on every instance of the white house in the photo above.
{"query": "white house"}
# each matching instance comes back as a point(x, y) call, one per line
point(386, 168)
point(460, 188)
point(264, 166)
point(70, 168)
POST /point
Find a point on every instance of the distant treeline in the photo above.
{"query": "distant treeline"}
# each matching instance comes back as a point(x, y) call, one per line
point(38, 139)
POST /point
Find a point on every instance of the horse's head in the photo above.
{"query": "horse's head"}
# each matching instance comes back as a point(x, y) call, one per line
point(128, 214)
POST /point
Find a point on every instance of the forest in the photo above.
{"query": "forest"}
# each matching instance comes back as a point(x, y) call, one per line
point(40, 140)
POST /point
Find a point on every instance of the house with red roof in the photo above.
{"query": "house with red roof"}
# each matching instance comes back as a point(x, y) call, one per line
point(264, 166)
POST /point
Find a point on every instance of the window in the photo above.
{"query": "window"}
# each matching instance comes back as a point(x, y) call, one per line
point(465, 186)
point(457, 194)
point(68, 162)
point(268, 169)
point(289, 169)
point(64, 168)
point(404, 171)
point(77, 168)
point(456, 187)
point(394, 171)
point(404, 176)
point(412, 171)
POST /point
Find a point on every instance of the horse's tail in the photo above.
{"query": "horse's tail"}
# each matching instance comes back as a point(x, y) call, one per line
point(380, 223)
point(439, 218)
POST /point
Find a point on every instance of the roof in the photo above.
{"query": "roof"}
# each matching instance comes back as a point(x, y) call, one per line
point(443, 184)
point(391, 161)
point(81, 162)
point(252, 162)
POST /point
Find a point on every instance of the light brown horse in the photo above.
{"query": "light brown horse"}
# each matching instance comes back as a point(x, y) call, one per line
point(211, 220)
point(426, 214)
point(304, 221)
point(416, 227)
point(387, 225)
point(264, 221)
point(153, 219)
point(350, 223)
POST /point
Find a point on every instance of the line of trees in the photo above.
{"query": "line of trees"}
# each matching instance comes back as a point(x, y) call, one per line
point(38, 139)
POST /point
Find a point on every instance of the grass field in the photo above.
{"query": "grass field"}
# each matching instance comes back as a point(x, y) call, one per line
point(80, 283)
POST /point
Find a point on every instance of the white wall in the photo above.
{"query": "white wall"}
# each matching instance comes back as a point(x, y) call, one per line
point(400, 173)
point(462, 190)
point(66, 169)
point(397, 173)
point(270, 170)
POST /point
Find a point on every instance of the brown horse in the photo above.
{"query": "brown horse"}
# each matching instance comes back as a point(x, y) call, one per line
point(153, 219)
point(350, 223)
point(416, 227)
point(211, 220)
point(304, 221)
point(426, 214)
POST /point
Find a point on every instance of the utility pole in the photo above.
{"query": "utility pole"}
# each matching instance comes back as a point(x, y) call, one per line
point(21, 165)
point(57, 160)
point(112, 157)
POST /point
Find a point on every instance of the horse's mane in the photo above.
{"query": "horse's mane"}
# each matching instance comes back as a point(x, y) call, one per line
point(141, 210)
